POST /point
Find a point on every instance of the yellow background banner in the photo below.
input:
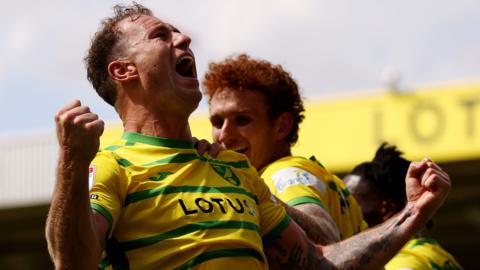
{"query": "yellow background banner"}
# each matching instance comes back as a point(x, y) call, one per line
point(442, 123)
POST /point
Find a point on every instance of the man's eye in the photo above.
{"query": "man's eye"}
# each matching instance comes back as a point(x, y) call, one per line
point(216, 123)
point(162, 34)
point(242, 120)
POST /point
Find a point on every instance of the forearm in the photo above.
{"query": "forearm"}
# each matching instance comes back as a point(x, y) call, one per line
point(72, 241)
point(368, 250)
point(373, 248)
point(427, 187)
point(316, 222)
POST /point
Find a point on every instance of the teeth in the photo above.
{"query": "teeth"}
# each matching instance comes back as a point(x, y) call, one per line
point(185, 66)
point(185, 58)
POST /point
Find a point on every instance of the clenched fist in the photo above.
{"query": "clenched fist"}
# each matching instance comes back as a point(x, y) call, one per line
point(427, 186)
point(78, 132)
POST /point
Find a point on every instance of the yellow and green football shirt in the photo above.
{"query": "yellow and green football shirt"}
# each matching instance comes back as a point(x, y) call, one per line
point(297, 180)
point(423, 254)
point(170, 208)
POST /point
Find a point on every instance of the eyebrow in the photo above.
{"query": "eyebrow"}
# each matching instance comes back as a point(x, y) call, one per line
point(173, 28)
point(161, 25)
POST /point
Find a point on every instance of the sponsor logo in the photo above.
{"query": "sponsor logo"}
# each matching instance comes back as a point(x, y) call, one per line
point(210, 205)
point(94, 196)
point(294, 176)
point(226, 173)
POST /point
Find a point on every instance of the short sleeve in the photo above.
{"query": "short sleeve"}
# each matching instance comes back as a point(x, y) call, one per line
point(107, 184)
point(297, 186)
point(273, 217)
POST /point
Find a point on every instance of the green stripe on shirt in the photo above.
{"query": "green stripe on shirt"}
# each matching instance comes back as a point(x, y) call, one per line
point(222, 253)
point(187, 157)
point(178, 232)
point(145, 194)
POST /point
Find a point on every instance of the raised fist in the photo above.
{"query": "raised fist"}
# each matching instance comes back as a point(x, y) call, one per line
point(78, 132)
point(427, 186)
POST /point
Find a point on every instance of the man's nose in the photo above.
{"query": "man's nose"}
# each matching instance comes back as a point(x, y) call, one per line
point(181, 41)
point(226, 134)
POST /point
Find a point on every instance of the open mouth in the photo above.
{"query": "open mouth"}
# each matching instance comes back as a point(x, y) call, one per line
point(186, 66)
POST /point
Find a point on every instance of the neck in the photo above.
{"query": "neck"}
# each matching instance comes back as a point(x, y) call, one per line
point(284, 151)
point(160, 124)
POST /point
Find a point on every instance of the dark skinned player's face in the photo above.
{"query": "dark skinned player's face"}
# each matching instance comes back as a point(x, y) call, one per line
point(367, 197)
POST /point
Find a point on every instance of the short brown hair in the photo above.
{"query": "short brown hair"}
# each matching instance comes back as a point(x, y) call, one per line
point(245, 73)
point(101, 49)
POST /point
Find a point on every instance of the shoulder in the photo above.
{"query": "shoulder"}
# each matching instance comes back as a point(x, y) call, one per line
point(236, 161)
point(106, 158)
point(236, 166)
point(292, 171)
point(232, 156)
point(106, 166)
point(282, 164)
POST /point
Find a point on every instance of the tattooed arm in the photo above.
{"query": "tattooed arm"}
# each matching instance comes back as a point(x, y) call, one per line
point(315, 221)
point(368, 250)
point(427, 187)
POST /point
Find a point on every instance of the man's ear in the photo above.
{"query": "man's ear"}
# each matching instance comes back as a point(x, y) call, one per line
point(122, 70)
point(283, 125)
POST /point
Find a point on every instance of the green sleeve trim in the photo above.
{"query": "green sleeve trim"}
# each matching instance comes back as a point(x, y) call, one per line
point(277, 230)
point(306, 199)
point(105, 213)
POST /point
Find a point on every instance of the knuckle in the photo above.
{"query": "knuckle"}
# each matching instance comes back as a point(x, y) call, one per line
point(83, 109)
point(65, 118)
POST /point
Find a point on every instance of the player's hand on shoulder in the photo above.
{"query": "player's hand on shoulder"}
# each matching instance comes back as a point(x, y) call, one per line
point(427, 186)
point(78, 131)
point(203, 146)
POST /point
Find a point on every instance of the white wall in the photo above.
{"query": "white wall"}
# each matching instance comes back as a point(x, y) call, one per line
point(27, 168)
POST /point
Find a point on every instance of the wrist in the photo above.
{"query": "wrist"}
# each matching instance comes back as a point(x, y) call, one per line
point(73, 159)
point(414, 220)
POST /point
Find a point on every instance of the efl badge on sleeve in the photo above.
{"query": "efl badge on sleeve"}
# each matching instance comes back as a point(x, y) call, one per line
point(91, 176)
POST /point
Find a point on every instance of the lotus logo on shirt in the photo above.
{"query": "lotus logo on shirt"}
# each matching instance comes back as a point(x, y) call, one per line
point(208, 205)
